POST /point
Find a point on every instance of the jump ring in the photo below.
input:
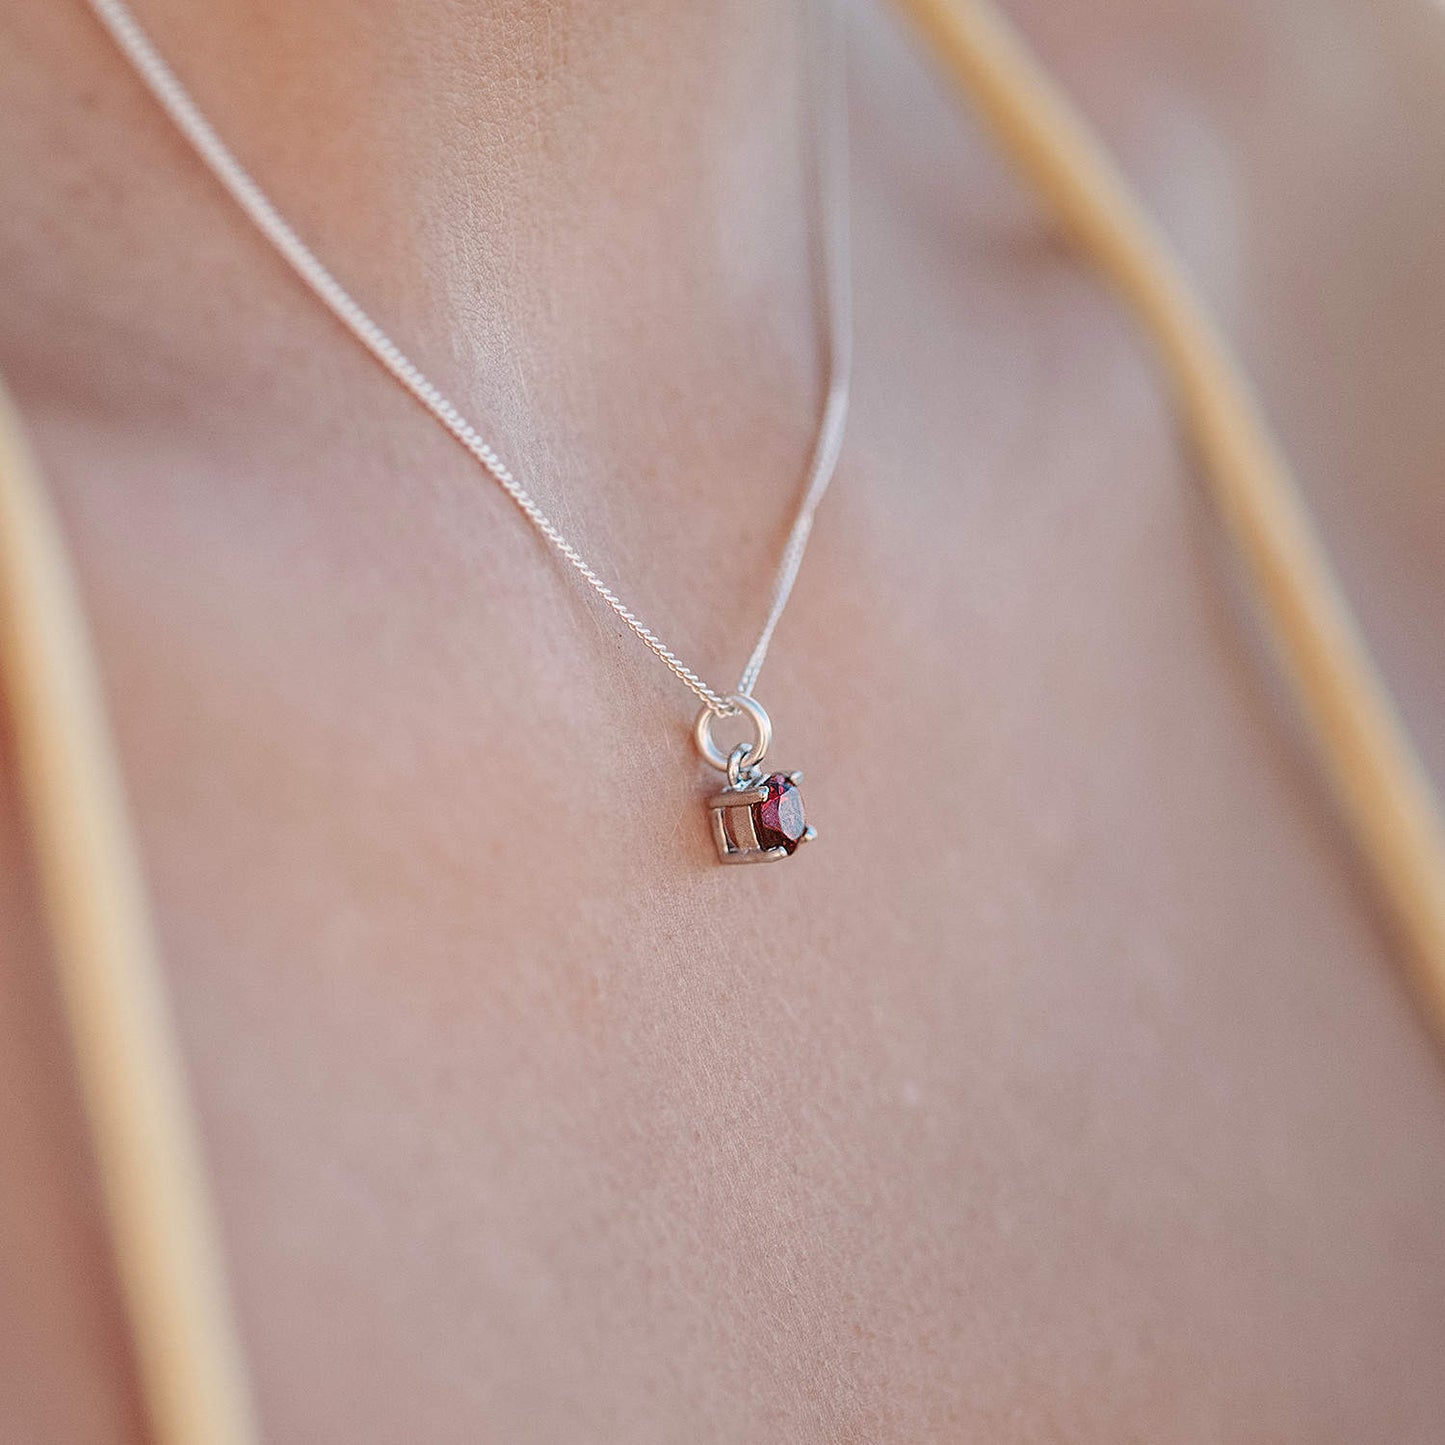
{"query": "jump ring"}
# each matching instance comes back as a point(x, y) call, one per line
point(751, 708)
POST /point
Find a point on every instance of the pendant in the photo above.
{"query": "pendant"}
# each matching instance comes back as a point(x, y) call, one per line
point(758, 817)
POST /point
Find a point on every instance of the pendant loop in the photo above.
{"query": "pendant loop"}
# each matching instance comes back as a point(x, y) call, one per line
point(753, 710)
point(740, 776)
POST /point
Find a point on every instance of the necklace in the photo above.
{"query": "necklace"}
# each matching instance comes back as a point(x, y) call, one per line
point(757, 817)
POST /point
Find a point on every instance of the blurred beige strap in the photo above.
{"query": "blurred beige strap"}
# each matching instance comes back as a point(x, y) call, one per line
point(1382, 788)
point(162, 1229)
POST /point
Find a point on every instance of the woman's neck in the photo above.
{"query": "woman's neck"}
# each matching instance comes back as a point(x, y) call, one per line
point(538, 180)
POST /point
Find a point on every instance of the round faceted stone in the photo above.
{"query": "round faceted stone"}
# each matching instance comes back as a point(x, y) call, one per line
point(779, 817)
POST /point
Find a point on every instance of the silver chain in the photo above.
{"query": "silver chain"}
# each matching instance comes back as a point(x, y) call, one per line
point(832, 166)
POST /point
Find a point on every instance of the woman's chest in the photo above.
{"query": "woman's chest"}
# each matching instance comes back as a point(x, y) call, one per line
point(524, 1108)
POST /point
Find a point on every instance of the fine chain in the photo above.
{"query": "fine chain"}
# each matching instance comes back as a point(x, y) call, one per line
point(832, 166)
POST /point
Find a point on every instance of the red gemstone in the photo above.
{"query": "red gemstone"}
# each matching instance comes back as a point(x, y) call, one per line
point(778, 819)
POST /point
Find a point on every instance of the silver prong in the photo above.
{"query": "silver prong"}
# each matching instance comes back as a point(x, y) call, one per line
point(735, 799)
point(796, 779)
point(809, 833)
point(755, 855)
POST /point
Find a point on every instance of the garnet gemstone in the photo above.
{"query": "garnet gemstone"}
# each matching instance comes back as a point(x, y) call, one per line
point(778, 819)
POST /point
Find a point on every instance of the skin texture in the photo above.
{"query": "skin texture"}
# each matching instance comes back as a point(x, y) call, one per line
point(1066, 1087)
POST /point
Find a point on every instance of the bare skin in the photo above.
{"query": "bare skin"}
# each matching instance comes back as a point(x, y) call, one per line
point(1066, 1087)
